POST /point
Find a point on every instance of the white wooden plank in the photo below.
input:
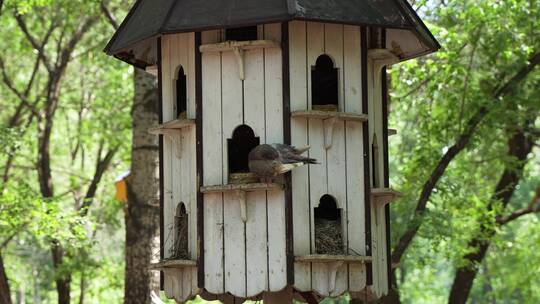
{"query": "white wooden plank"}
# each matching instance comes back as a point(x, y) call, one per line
point(177, 177)
point(298, 66)
point(254, 103)
point(357, 277)
point(319, 279)
point(232, 103)
point(318, 175)
point(175, 63)
point(235, 251)
point(273, 79)
point(168, 203)
point(213, 242)
point(315, 48)
point(188, 186)
point(337, 179)
point(299, 137)
point(212, 166)
point(355, 199)
point(277, 261)
point(194, 282)
point(342, 281)
point(256, 243)
point(167, 89)
point(186, 283)
point(212, 133)
point(235, 246)
point(352, 78)
point(333, 47)
point(191, 77)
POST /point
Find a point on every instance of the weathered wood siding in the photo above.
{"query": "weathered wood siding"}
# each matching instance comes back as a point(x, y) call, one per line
point(378, 217)
point(341, 171)
point(179, 173)
point(243, 259)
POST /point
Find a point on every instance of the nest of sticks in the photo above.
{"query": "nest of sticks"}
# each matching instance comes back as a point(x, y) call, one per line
point(328, 236)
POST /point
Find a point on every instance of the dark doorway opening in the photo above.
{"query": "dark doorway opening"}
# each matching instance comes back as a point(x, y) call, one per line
point(241, 33)
point(328, 231)
point(181, 235)
point(181, 93)
point(324, 84)
point(242, 142)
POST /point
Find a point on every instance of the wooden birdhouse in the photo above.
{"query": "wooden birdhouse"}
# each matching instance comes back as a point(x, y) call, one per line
point(234, 75)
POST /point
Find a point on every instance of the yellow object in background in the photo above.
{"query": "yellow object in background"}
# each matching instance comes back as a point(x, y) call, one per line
point(121, 187)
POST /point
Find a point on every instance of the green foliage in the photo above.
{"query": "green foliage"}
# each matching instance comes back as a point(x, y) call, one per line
point(484, 44)
point(93, 116)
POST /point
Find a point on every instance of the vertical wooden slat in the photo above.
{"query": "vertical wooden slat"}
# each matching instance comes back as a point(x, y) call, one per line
point(365, 131)
point(235, 246)
point(333, 47)
point(354, 155)
point(255, 227)
point(299, 137)
point(276, 239)
point(212, 167)
point(234, 238)
point(256, 244)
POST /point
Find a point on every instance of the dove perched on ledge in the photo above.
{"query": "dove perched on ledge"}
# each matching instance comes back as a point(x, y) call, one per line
point(268, 161)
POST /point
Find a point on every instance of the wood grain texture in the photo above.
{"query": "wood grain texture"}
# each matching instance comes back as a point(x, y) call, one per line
point(299, 137)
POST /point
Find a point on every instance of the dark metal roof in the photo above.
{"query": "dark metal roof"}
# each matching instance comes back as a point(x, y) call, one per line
point(150, 18)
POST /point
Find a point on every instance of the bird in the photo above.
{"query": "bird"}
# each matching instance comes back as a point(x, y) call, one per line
point(268, 161)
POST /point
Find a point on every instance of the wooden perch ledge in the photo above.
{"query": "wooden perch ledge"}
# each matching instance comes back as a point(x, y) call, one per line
point(330, 118)
point(172, 125)
point(173, 264)
point(383, 196)
point(170, 129)
point(327, 258)
point(238, 48)
point(240, 190)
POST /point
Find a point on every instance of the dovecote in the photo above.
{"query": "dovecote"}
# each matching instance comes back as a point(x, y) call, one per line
point(306, 73)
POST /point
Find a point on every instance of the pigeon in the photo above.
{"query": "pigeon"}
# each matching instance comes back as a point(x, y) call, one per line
point(268, 161)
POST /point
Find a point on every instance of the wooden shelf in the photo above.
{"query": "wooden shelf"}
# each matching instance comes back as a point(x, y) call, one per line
point(176, 124)
point(328, 115)
point(170, 129)
point(383, 196)
point(327, 258)
point(242, 45)
point(173, 264)
point(329, 120)
point(238, 48)
point(240, 190)
point(239, 187)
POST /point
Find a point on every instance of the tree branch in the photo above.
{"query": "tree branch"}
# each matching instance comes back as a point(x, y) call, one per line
point(463, 139)
point(39, 48)
point(101, 167)
point(532, 207)
point(110, 17)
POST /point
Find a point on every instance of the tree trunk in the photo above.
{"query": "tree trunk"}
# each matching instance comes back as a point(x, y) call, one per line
point(63, 280)
point(519, 146)
point(142, 216)
point(5, 294)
